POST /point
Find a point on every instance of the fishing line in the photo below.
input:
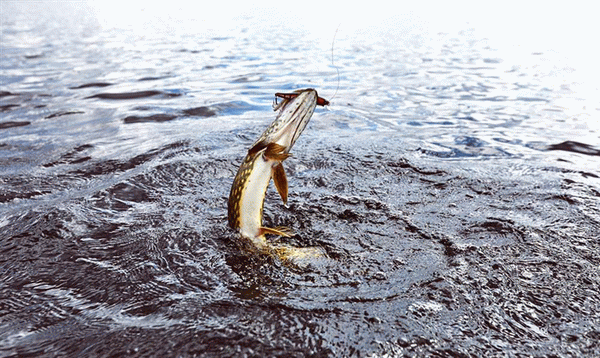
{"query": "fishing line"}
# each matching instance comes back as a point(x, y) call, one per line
point(333, 64)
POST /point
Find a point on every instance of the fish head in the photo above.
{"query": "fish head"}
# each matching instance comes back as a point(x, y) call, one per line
point(292, 117)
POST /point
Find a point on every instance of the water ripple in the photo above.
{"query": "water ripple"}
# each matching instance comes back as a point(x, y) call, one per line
point(453, 187)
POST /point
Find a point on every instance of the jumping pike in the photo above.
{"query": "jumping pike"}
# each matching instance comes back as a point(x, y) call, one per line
point(265, 161)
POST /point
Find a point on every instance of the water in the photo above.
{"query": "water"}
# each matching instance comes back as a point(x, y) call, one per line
point(453, 182)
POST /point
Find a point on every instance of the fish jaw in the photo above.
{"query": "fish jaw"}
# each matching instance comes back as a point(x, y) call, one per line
point(294, 114)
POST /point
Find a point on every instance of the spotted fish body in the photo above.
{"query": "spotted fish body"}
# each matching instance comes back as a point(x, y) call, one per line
point(264, 162)
point(248, 191)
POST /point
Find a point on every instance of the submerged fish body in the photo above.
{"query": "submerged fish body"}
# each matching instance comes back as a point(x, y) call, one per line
point(264, 162)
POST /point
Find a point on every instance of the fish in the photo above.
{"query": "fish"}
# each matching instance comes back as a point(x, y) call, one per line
point(263, 162)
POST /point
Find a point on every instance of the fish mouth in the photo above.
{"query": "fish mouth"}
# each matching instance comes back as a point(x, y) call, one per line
point(297, 113)
point(293, 115)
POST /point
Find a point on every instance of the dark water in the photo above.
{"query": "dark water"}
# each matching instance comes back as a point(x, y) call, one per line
point(455, 189)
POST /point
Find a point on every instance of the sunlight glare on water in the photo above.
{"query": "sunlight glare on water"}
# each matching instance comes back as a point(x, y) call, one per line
point(515, 29)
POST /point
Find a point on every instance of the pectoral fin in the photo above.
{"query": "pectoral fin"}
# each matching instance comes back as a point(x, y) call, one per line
point(257, 147)
point(280, 180)
point(276, 152)
point(279, 231)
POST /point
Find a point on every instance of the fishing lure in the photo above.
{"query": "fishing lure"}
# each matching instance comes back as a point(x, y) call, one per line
point(320, 100)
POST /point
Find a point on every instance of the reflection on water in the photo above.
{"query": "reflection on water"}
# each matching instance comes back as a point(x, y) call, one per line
point(452, 183)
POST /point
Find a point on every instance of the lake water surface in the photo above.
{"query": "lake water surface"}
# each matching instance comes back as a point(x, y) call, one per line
point(454, 183)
